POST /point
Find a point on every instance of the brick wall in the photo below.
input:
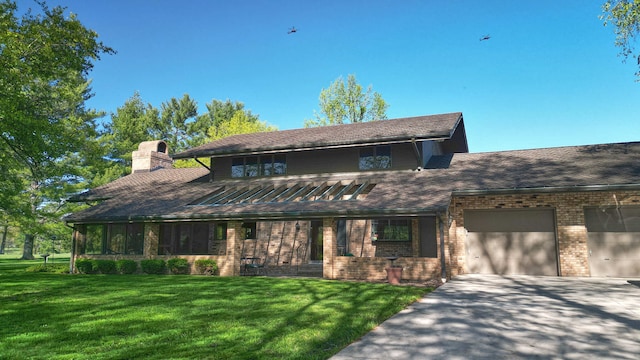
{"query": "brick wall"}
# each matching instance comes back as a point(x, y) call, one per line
point(571, 232)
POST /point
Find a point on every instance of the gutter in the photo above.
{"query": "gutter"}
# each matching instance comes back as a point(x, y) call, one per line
point(547, 189)
point(443, 263)
point(287, 215)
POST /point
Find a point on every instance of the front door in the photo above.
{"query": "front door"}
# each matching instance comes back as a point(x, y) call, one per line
point(316, 241)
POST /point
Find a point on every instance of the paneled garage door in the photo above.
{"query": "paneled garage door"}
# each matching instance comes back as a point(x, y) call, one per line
point(613, 240)
point(511, 242)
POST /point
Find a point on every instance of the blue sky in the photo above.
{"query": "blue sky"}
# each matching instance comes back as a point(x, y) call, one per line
point(548, 76)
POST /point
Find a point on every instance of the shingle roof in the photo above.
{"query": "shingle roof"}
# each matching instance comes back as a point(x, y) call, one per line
point(167, 194)
point(404, 129)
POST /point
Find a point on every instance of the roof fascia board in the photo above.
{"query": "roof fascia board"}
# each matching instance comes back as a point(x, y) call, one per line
point(293, 148)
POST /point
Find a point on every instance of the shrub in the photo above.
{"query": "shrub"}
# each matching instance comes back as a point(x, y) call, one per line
point(49, 268)
point(153, 266)
point(86, 266)
point(206, 266)
point(125, 266)
point(106, 266)
point(178, 266)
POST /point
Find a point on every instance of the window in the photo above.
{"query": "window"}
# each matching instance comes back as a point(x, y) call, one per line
point(188, 238)
point(248, 230)
point(114, 239)
point(252, 166)
point(391, 230)
point(93, 240)
point(375, 157)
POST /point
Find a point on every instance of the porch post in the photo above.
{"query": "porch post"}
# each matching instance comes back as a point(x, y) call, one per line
point(329, 247)
point(231, 266)
point(151, 239)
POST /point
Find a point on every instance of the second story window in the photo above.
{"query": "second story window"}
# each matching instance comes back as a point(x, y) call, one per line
point(375, 157)
point(252, 166)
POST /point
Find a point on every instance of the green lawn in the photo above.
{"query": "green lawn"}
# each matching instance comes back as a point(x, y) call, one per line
point(53, 316)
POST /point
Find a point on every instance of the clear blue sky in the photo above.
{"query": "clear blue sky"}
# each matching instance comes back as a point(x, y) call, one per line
point(548, 76)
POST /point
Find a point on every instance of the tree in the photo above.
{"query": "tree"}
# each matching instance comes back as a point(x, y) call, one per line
point(175, 118)
point(44, 127)
point(131, 124)
point(240, 123)
point(624, 15)
point(344, 103)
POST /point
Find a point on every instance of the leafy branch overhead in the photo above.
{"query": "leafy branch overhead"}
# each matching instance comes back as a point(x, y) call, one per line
point(624, 15)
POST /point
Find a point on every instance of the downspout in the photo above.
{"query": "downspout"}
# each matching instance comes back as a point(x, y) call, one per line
point(206, 167)
point(417, 154)
point(443, 263)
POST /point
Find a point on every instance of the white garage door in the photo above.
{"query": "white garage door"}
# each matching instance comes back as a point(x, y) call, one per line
point(613, 240)
point(511, 242)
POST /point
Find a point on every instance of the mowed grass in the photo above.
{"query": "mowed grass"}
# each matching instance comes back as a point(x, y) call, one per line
point(57, 316)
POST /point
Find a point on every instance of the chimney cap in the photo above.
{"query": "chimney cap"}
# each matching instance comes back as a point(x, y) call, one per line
point(155, 145)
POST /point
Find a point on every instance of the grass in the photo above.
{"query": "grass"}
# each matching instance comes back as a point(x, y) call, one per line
point(56, 316)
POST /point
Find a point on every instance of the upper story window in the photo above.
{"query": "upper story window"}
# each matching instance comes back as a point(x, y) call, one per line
point(264, 165)
point(375, 157)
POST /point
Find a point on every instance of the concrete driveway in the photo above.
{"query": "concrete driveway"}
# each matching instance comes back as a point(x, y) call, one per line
point(512, 317)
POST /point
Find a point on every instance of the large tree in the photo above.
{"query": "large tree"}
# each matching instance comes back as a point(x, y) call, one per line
point(624, 15)
point(44, 127)
point(343, 103)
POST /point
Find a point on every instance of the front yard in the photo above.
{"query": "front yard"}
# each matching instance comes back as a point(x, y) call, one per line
point(186, 317)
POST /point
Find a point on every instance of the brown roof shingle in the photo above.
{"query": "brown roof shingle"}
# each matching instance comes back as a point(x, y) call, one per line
point(166, 194)
point(419, 127)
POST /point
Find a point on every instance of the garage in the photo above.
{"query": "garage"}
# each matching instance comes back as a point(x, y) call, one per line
point(613, 239)
point(511, 242)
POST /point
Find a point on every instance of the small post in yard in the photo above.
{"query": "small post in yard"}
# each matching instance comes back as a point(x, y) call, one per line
point(394, 272)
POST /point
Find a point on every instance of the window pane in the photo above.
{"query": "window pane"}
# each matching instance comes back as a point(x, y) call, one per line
point(94, 237)
point(184, 238)
point(367, 160)
point(266, 163)
point(135, 239)
point(391, 230)
point(237, 167)
point(248, 230)
point(116, 240)
point(221, 231)
point(251, 166)
point(200, 238)
point(164, 247)
point(383, 157)
point(279, 165)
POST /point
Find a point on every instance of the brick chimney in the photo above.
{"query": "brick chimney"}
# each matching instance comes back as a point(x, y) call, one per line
point(151, 155)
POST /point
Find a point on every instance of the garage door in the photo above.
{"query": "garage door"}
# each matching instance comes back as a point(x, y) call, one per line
point(511, 242)
point(613, 240)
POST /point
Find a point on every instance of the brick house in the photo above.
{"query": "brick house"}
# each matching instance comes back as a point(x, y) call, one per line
point(349, 200)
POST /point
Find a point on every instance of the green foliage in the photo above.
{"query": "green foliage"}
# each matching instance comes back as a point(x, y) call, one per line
point(49, 268)
point(153, 266)
point(126, 266)
point(106, 266)
point(86, 266)
point(45, 128)
point(206, 266)
point(624, 15)
point(346, 103)
point(178, 266)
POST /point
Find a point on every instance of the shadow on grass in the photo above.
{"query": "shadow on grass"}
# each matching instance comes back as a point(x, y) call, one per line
point(155, 317)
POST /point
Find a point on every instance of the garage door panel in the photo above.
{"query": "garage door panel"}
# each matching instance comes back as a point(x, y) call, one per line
point(615, 245)
point(515, 253)
point(513, 241)
point(614, 240)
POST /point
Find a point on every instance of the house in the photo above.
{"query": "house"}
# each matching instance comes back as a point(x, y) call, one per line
point(348, 201)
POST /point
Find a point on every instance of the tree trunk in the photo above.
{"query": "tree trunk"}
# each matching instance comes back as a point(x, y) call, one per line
point(27, 251)
point(4, 239)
